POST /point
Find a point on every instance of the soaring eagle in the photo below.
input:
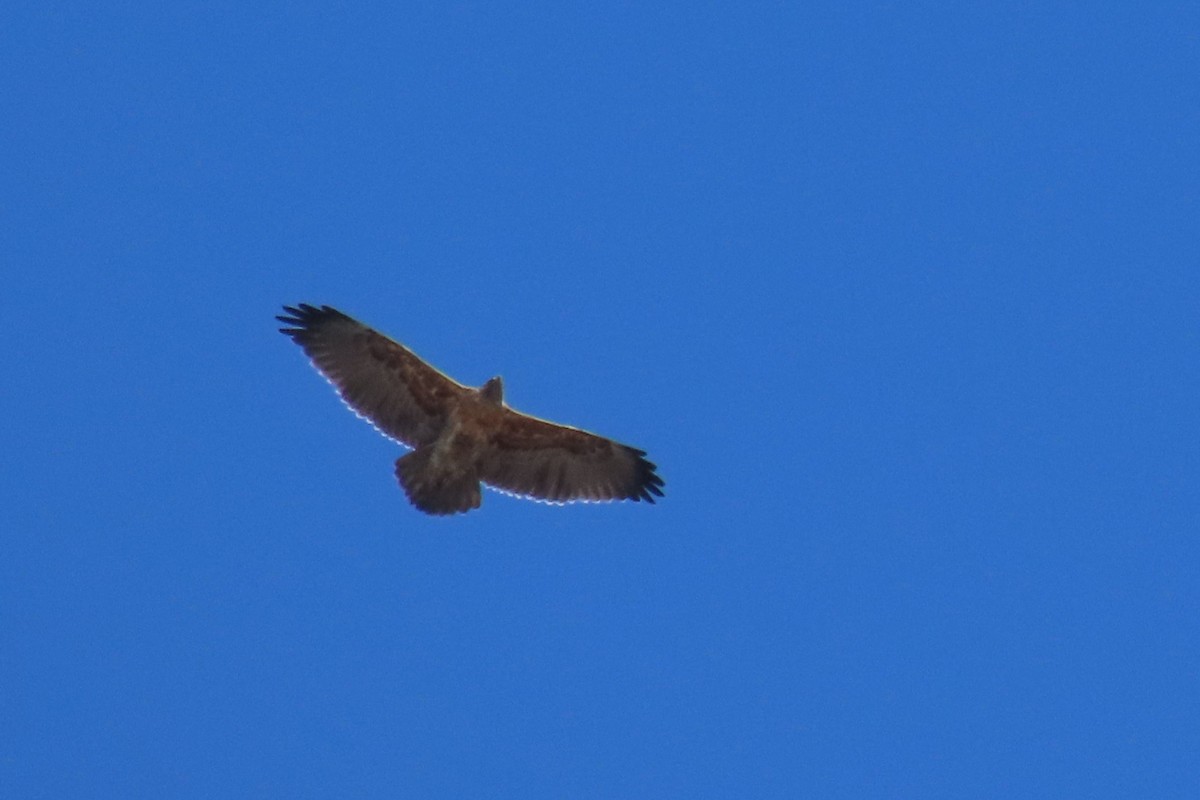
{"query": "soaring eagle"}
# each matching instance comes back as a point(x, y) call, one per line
point(461, 436)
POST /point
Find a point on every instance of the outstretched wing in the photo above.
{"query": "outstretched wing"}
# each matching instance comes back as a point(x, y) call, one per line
point(383, 381)
point(535, 458)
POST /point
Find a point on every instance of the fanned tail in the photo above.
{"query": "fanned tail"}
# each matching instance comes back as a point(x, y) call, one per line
point(436, 492)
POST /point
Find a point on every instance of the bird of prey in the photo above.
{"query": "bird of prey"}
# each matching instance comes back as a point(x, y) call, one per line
point(462, 436)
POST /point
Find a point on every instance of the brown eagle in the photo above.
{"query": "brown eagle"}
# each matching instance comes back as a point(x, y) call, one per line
point(461, 436)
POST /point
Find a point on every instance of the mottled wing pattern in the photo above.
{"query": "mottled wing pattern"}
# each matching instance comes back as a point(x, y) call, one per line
point(535, 458)
point(380, 379)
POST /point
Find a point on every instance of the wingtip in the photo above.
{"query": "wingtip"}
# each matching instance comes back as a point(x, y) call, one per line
point(651, 483)
point(304, 317)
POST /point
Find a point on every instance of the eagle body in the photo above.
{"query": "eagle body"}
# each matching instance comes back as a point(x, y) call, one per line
point(462, 436)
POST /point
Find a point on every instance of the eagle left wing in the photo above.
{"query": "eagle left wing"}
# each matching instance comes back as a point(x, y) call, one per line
point(381, 379)
point(528, 456)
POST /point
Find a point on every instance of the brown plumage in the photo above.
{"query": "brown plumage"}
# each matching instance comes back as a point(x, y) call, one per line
point(462, 436)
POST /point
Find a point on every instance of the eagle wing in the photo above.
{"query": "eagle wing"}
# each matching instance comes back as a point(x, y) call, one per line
point(383, 381)
point(528, 456)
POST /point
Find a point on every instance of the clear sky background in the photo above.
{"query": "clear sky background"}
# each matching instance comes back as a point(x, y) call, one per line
point(902, 298)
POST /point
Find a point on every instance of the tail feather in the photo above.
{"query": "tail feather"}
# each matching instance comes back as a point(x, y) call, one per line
point(437, 491)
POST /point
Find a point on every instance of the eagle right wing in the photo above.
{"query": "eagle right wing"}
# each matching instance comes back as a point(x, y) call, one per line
point(381, 380)
point(536, 458)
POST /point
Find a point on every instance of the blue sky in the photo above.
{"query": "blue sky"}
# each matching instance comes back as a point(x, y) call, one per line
point(900, 297)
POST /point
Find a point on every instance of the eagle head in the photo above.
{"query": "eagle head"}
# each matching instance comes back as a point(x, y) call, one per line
point(493, 391)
